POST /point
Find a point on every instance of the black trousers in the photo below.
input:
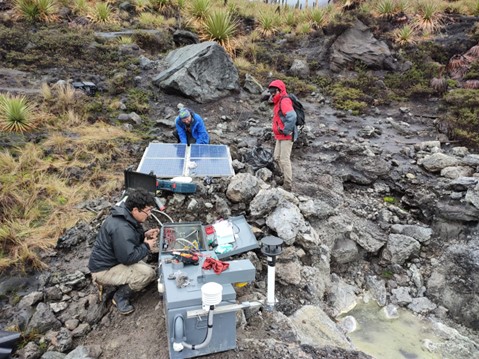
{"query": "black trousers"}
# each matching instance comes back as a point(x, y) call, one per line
point(189, 138)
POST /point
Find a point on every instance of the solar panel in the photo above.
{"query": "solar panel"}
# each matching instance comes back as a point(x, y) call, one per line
point(167, 160)
point(211, 151)
point(162, 167)
point(210, 160)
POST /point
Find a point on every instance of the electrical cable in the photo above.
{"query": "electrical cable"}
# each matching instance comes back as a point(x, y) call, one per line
point(195, 231)
point(155, 217)
point(163, 213)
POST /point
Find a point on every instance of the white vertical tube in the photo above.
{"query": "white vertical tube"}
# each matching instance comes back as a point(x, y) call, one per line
point(271, 275)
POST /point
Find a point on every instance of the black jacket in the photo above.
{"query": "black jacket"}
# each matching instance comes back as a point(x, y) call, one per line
point(120, 240)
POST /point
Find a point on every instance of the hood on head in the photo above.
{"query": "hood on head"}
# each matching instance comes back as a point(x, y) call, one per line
point(279, 84)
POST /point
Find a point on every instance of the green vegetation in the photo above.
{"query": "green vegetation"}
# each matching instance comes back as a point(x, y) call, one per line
point(220, 27)
point(389, 199)
point(463, 115)
point(15, 114)
point(36, 10)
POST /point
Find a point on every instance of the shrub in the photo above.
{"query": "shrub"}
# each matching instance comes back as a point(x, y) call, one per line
point(36, 10)
point(101, 13)
point(404, 35)
point(199, 8)
point(268, 23)
point(220, 27)
point(15, 114)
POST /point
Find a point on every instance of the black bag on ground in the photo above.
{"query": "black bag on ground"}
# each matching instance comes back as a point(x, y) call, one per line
point(259, 157)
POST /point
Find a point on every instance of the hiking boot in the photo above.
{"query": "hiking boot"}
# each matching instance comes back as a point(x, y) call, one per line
point(122, 300)
point(287, 187)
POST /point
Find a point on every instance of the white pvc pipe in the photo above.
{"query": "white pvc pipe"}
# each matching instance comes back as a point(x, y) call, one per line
point(271, 277)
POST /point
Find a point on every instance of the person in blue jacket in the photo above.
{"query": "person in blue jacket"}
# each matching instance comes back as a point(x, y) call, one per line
point(190, 128)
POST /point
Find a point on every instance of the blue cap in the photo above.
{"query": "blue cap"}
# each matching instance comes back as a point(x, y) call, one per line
point(184, 113)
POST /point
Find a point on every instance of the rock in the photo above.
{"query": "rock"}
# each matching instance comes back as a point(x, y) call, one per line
point(421, 305)
point(344, 251)
point(438, 161)
point(463, 183)
point(43, 319)
point(184, 37)
point(419, 233)
point(53, 355)
point(359, 44)
point(401, 296)
point(31, 299)
point(313, 326)
point(190, 65)
point(286, 220)
point(456, 172)
point(299, 68)
point(29, 351)
point(252, 85)
point(377, 288)
point(242, 188)
point(342, 296)
point(400, 247)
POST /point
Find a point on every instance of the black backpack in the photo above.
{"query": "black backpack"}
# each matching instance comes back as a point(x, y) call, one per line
point(299, 109)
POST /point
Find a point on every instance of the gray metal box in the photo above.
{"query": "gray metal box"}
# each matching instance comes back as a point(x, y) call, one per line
point(178, 301)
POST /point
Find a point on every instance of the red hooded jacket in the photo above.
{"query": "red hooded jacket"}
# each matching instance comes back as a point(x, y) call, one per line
point(284, 116)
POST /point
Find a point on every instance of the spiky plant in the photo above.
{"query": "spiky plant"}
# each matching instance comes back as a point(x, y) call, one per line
point(101, 12)
point(124, 40)
point(159, 4)
point(385, 8)
point(303, 28)
point(15, 113)
point(80, 7)
point(141, 5)
point(47, 9)
point(199, 8)
point(220, 27)
point(428, 17)
point(27, 9)
point(318, 17)
point(403, 6)
point(291, 18)
point(405, 35)
point(36, 10)
point(268, 23)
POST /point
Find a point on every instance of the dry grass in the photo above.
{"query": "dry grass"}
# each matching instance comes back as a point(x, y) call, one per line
point(39, 198)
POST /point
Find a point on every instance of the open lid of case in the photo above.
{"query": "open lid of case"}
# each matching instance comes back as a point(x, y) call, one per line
point(134, 180)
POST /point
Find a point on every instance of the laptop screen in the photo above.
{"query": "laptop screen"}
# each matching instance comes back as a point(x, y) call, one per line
point(134, 180)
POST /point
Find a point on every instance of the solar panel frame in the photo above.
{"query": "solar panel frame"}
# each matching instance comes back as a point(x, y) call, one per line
point(167, 160)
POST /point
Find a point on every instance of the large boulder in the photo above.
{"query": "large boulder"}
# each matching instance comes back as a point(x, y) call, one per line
point(359, 44)
point(203, 72)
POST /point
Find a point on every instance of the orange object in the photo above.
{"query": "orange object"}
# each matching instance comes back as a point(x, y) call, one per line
point(215, 264)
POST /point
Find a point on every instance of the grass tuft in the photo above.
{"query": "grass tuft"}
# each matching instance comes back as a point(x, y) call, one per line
point(220, 27)
point(15, 114)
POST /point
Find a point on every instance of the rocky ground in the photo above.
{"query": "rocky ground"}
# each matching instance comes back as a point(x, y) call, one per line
point(383, 205)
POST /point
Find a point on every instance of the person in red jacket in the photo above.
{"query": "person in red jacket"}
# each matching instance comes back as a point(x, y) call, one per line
point(284, 129)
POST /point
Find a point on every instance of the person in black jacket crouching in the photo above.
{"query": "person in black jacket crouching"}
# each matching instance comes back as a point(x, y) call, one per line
point(120, 247)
